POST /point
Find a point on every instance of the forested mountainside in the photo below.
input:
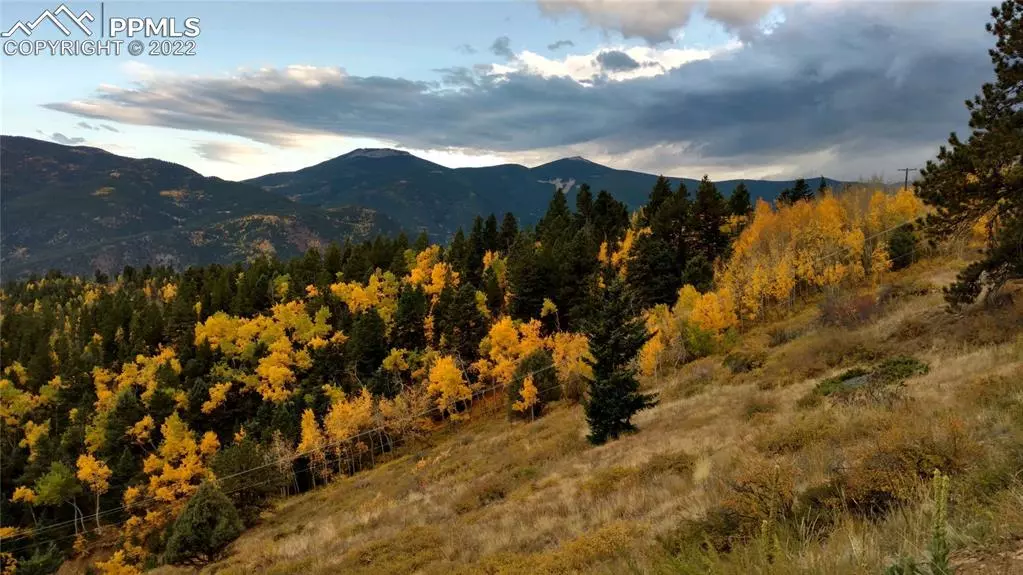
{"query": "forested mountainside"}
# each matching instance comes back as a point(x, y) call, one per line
point(78, 209)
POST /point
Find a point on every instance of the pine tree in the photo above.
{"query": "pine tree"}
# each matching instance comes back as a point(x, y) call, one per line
point(584, 206)
point(652, 273)
point(981, 180)
point(610, 218)
point(491, 235)
point(822, 187)
point(408, 332)
point(708, 216)
point(509, 231)
point(658, 195)
point(368, 344)
point(739, 203)
point(616, 335)
point(208, 523)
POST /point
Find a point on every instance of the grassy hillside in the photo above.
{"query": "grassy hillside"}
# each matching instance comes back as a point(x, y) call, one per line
point(778, 429)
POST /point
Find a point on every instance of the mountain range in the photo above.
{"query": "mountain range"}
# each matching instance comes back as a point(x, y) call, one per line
point(78, 208)
point(424, 196)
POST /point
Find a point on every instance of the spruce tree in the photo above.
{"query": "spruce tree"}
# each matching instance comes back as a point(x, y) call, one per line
point(368, 345)
point(610, 218)
point(207, 524)
point(708, 216)
point(658, 195)
point(822, 187)
point(584, 206)
point(408, 331)
point(652, 273)
point(509, 231)
point(981, 179)
point(616, 334)
point(491, 235)
point(739, 203)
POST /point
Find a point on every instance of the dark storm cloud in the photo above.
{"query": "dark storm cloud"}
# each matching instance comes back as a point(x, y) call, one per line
point(855, 80)
point(616, 61)
point(501, 47)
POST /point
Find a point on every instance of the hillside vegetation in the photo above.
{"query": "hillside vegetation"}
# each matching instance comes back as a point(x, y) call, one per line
point(701, 385)
point(756, 461)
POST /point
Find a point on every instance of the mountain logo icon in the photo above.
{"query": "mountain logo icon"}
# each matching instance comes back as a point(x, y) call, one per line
point(54, 17)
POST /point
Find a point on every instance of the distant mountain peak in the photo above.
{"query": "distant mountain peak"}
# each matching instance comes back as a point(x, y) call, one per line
point(375, 153)
point(579, 159)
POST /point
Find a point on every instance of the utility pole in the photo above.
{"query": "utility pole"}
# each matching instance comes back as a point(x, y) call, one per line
point(907, 170)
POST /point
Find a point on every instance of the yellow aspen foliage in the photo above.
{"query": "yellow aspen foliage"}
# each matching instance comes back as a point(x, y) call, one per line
point(15, 404)
point(34, 432)
point(23, 494)
point(500, 351)
point(102, 380)
point(396, 361)
point(218, 395)
point(380, 293)
point(312, 437)
point(94, 473)
point(714, 312)
point(239, 435)
point(48, 391)
point(142, 430)
point(572, 356)
point(548, 308)
point(448, 384)
point(530, 339)
point(178, 467)
point(311, 291)
point(209, 444)
point(528, 396)
point(168, 292)
point(117, 565)
point(481, 304)
point(880, 262)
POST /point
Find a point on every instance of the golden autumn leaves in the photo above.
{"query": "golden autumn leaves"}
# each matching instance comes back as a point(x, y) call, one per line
point(833, 241)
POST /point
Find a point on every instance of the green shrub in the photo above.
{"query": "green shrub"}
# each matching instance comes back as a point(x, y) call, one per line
point(481, 493)
point(205, 527)
point(898, 369)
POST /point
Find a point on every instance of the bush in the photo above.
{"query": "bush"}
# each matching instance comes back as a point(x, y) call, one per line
point(758, 406)
point(205, 527)
point(744, 361)
point(845, 310)
point(763, 494)
point(540, 366)
point(898, 369)
point(780, 335)
point(481, 493)
point(252, 491)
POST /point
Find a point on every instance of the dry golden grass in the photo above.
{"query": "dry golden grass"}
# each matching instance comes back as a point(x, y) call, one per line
point(842, 487)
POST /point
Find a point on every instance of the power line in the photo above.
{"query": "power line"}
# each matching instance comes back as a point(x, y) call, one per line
point(907, 171)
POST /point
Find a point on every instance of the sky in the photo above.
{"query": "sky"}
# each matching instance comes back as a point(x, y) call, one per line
point(737, 88)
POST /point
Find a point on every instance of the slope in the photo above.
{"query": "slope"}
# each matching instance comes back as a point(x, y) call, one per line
point(78, 209)
point(732, 443)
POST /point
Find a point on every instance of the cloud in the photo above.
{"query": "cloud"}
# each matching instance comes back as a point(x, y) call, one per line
point(501, 47)
point(86, 126)
point(109, 128)
point(62, 139)
point(616, 61)
point(465, 49)
point(853, 88)
point(560, 44)
point(655, 20)
point(227, 152)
